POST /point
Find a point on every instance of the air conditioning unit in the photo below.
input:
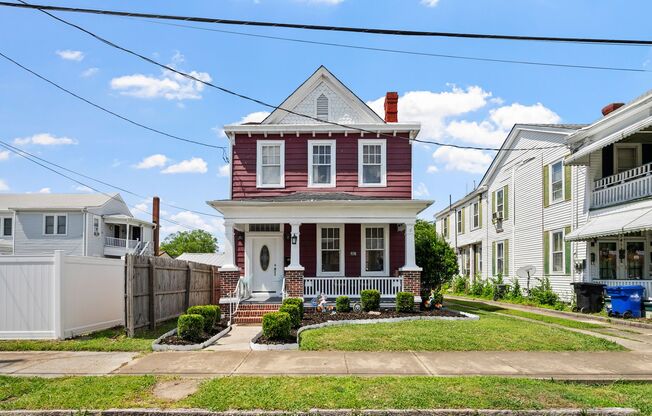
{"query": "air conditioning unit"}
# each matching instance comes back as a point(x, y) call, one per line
point(498, 216)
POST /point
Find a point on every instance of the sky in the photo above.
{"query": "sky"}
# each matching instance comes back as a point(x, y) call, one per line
point(457, 101)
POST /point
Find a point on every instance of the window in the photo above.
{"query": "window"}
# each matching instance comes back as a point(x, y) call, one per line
point(626, 157)
point(635, 259)
point(500, 201)
point(608, 260)
point(444, 226)
point(322, 107)
point(55, 224)
point(476, 215)
point(7, 226)
point(500, 257)
point(270, 164)
point(460, 221)
point(371, 163)
point(96, 226)
point(264, 228)
point(557, 181)
point(478, 259)
point(374, 251)
point(557, 251)
point(466, 261)
point(321, 163)
point(331, 250)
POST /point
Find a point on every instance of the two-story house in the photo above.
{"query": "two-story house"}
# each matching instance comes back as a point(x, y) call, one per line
point(521, 211)
point(616, 152)
point(79, 224)
point(321, 207)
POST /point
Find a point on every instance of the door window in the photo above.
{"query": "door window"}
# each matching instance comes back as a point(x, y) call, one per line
point(635, 259)
point(608, 260)
point(264, 258)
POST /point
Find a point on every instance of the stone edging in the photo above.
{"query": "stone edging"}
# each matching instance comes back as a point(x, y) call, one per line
point(157, 346)
point(295, 346)
point(615, 411)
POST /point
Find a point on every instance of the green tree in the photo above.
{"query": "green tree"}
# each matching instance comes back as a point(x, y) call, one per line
point(434, 255)
point(196, 241)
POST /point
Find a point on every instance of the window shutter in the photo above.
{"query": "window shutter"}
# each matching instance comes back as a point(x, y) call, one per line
point(506, 258)
point(567, 230)
point(480, 212)
point(493, 258)
point(567, 182)
point(546, 253)
point(493, 202)
point(546, 186)
point(463, 219)
point(506, 202)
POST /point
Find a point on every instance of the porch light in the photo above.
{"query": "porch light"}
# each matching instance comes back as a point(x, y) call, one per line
point(294, 239)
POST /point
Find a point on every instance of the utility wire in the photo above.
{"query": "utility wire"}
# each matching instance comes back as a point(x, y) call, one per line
point(403, 52)
point(375, 31)
point(268, 105)
point(121, 117)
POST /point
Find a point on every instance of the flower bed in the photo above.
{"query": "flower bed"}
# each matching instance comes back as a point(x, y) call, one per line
point(170, 341)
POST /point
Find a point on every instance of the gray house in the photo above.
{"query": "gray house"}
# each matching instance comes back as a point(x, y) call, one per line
point(79, 224)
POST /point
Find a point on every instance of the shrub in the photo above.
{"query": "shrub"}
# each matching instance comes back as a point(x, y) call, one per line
point(477, 288)
point(342, 304)
point(437, 258)
point(515, 292)
point(438, 298)
point(276, 325)
point(370, 300)
point(488, 290)
point(293, 311)
point(543, 293)
point(210, 313)
point(295, 301)
point(460, 284)
point(190, 327)
point(404, 302)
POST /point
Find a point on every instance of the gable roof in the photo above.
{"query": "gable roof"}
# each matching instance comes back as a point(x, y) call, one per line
point(54, 201)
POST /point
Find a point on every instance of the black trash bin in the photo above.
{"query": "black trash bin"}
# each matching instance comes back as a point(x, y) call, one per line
point(589, 296)
point(500, 290)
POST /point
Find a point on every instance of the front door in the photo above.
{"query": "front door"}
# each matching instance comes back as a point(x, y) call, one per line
point(266, 266)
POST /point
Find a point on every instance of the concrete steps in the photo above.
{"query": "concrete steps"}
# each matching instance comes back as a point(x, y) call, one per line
point(252, 313)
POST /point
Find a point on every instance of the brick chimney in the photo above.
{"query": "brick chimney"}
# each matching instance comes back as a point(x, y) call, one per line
point(611, 107)
point(391, 107)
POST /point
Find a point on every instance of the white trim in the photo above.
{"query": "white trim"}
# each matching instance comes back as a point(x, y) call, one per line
point(363, 250)
point(502, 210)
point(340, 272)
point(56, 216)
point(563, 183)
point(551, 252)
point(639, 155)
point(333, 182)
point(383, 162)
point(259, 160)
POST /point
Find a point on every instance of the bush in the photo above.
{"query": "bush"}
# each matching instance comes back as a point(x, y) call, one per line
point(190, 327)
point(210, 313)
point(370, 300)
point(477, 288)
point(460, 284)
point(293, 311)
point(277, 325)
point(438, 298)
point(342, 304)
point(437, 258)
point(543, 293)
point(295, 301)
point(404, 302)
point(488, 290)
point(515, 292)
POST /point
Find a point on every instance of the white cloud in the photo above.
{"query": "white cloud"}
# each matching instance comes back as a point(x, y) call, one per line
point(421, 190)
point(224, 171)
point(4, 155)
point(44, 139)
point(483, 133)
point(429, 3)
point(432, 169)
point(464, 160)
point(3, 185)
point(194, 165)
point(85, 189)
point(70, 55)
point(190, 219)
point(44, 191)
point(505, 117)
point(255, 117)
point(153, 161)
point(90, 72)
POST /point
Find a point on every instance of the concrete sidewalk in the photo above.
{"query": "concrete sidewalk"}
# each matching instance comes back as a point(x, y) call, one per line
point(60, 363)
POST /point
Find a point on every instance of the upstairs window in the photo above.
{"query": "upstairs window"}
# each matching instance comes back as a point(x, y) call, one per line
point(476, 215)
point(372, 163)
point(500, 201)
point(7, 227)
point(626, 157)
point(444, 227)
point(55, 224)
point(460, 221)
point(321, 163)
point(270, 164)
point(322, 107)
point(557, 181)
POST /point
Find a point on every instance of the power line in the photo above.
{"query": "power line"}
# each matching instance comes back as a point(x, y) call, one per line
point(404, 52)
point(106, 110)
point(375, 31)
point(268, 105)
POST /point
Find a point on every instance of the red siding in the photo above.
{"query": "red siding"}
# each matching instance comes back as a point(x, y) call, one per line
point(396, 249)
point(352, 244)
point(399, 166)
point(308, 249)
point(239, 250)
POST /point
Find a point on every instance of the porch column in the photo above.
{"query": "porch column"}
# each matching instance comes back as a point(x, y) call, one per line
point(294, 272)
point(229, 248)
point(295, 263)
point(411, 273)
point(410, 259)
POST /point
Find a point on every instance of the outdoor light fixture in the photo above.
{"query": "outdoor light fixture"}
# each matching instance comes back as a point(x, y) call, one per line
point(294, 239)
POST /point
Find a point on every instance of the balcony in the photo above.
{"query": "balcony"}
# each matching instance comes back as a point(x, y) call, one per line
point(121, 246)
point(623, 187)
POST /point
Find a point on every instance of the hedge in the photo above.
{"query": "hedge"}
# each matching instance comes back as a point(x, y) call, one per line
point(277, 325)
point(190, 327)
point(293, 311)
point(404, 302)
point(342, 304)
point(210, 313)
point(370, 300)
point(295, 301)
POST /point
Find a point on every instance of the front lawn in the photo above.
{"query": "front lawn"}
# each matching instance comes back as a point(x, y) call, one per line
point(304, 393)
point(113, 339)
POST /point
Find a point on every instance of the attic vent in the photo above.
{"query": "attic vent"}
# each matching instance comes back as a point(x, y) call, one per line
point(322, 107)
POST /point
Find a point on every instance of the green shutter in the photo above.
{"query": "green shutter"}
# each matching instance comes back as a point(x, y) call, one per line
point(493, 258)
point(493, 203)
point(567, 183)
point(567, 230)
point(480, 212)
point(506, 202)
point(506, 258)
point(463, 219)
point(546, 186)
point(546, 253)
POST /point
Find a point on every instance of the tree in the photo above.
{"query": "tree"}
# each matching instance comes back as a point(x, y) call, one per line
point(434, 255)
point(196, 241)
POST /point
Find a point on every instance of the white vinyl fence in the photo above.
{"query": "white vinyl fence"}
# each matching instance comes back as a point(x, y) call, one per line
point(56, 296)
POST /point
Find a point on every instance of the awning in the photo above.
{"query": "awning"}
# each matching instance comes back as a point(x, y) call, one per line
point(613, 224)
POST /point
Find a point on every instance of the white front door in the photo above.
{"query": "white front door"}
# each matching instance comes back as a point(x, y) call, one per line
point(266, 264)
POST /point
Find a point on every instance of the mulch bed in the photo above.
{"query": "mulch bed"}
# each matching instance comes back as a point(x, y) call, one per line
point(177, 340)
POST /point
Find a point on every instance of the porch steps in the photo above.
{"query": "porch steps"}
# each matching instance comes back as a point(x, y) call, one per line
point(252, 313)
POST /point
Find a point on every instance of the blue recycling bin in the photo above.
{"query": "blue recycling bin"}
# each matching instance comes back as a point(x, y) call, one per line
point(626, 301)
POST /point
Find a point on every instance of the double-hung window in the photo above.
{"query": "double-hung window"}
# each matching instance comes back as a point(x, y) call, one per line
point(476, 215)
point(500, 257)
point(331, 250)
point(270, 164)
point(500, 201)
point(7, 226)
point(444, 226)
point(374, 245)
point(55, 224)
point(372, 163)
point(557, 251)
point(557, 181)
point(321, 163)
point(460, 221)
point(96, 226)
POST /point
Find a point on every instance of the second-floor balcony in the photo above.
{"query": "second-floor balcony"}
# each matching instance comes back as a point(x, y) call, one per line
point(623, 187)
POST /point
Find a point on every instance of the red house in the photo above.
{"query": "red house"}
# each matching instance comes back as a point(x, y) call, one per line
point(317, 207)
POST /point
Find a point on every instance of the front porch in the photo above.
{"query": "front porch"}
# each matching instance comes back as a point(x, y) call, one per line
point(127, 235)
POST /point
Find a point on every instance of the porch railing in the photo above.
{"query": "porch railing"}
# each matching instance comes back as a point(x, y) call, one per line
point(647, 284)
point(120, 242)
point(625, 186)
point(351, 286)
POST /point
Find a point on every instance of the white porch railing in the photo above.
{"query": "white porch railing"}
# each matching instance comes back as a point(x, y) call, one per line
point(647, 284)
point(351, 286)
point(121, 242)
point(625, 186)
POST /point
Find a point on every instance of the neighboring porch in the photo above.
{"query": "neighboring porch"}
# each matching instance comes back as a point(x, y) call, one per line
point(127, 235)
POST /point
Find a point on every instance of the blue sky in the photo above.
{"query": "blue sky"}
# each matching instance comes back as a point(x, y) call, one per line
point(457, 101)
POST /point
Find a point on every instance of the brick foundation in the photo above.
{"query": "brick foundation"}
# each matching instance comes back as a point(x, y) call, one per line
point(228, 281)
point(411, 281)
point(294, 283)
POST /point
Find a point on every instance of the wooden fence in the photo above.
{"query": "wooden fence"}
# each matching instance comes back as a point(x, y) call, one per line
point(158, 289)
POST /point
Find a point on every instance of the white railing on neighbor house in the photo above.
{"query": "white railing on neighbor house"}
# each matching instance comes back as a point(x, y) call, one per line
point(647, 284)
point(351, 286)
point(121, 242)
point(630, 186)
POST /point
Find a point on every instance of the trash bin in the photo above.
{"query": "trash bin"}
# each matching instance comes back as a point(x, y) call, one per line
point(589, 297)
point(626, 301)
point(500, 290)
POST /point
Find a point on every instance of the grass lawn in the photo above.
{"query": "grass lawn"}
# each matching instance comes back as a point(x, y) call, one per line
point(113, 339)
point(493, 332)
point(304, 393)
